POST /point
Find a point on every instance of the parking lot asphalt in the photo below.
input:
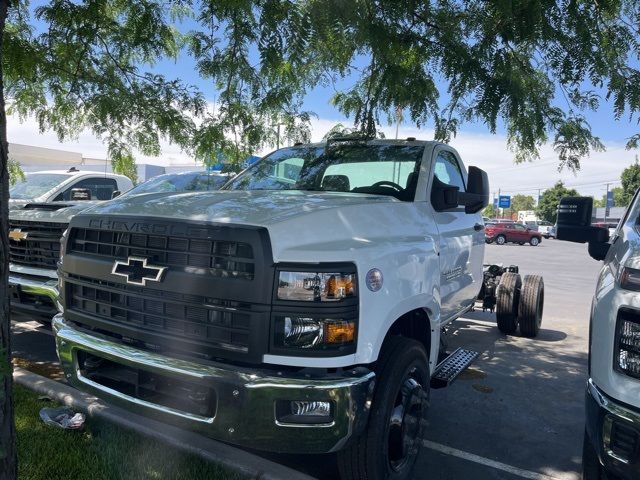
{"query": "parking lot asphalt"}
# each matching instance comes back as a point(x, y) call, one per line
point(518, 411)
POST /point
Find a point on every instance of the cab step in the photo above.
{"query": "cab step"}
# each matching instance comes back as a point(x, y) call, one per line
point(452, 366)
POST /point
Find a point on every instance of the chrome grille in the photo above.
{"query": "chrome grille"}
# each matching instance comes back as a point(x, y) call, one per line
point(40, 248)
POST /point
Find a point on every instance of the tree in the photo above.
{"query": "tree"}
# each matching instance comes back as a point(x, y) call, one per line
point(8, 453)
point(548, 207)
point(77, 65)
point(124, 164)
point(489, 211)
point(522, 202)
point(630, 182)
point(15, 172)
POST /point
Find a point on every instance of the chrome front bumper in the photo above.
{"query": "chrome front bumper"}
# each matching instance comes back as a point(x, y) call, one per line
point(246, 398)
point(602, 413)
point(35, 292)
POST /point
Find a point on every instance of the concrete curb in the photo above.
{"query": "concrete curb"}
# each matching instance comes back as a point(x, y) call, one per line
point(231, 457)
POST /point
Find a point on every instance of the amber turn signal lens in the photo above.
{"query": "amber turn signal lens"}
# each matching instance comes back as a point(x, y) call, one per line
point(339, 332)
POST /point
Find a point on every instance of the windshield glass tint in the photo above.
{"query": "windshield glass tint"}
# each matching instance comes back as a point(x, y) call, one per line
point(36, 184)
point(191, 182)
point(342, 167)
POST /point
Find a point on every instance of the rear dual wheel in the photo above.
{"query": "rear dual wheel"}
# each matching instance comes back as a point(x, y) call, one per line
point(507, 299)
point(388, 448)
point(520, 303)
point(531, 305)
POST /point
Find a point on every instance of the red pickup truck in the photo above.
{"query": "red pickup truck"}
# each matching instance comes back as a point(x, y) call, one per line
point(511, 232)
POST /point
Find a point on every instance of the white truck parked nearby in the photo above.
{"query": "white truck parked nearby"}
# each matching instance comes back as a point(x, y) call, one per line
point(60, 185)
point(612, 433)
point(298, 309)
point(35, 230)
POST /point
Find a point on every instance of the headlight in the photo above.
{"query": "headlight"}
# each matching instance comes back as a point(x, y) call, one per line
point(316, 286)
point(627, 356)
point(297, 331)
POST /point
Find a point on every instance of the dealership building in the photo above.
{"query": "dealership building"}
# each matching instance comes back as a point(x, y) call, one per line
point(33, 159)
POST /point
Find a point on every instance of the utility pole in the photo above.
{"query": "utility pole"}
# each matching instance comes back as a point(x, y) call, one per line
point(606, 204)
point(499, 209)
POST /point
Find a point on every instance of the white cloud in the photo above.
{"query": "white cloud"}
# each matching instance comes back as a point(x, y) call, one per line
point(487, 151)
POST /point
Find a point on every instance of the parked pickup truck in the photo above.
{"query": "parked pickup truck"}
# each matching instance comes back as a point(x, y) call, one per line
point(612, 427)
point(59, 185)
point(298, 309)
point(35, 230)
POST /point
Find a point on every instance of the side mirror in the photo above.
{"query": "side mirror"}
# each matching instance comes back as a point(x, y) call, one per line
point(80, 194)
point(115, 193)
point(574, 225)
point(477, 195)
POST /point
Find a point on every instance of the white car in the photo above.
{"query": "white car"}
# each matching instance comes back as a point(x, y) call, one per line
point(544, 228)
point(612, 433)
point(57, 186)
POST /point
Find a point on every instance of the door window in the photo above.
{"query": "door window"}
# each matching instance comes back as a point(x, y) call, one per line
point(101, 188)
point(447, 170)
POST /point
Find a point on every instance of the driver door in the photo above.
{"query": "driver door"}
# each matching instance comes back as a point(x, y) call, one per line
point(461, 242)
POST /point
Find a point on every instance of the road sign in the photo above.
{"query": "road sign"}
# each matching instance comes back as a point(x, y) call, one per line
point(504, 201)
point(609, 199)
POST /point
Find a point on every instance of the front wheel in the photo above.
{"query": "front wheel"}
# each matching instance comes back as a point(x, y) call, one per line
point(534, 241)
point(501, 239)
point(389, 447)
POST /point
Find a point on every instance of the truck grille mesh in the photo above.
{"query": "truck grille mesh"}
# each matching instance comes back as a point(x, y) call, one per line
point(190, 317)
point(40, 248)
point(220, 258)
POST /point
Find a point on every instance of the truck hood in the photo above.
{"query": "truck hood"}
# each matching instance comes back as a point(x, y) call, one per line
point(260, 208)
point(48, 213)
point(307, 227)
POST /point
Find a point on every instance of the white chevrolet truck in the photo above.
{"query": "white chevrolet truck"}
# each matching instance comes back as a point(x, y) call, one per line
point(299, 309)
point(612, 433)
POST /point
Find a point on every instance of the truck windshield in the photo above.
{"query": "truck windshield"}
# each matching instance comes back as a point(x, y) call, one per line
point(182, 182)
point(341, 167)
point(36, 184)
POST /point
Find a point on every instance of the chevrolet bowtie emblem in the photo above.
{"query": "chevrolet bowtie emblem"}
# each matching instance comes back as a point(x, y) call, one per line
point(137, 271)
point(18, 235)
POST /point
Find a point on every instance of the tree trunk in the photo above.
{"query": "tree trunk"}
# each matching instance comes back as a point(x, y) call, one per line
point(8, 457)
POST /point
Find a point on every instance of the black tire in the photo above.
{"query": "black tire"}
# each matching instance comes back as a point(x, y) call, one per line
point(501, 240)
point(531, 305)
point(546, 236)
point(535, 241)
point(376, 454)
point(520, 243)
point(488, 240)
point(507, 299)
point(591, 468)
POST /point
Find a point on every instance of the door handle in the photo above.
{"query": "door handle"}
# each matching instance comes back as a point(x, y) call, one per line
point(478, 226)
